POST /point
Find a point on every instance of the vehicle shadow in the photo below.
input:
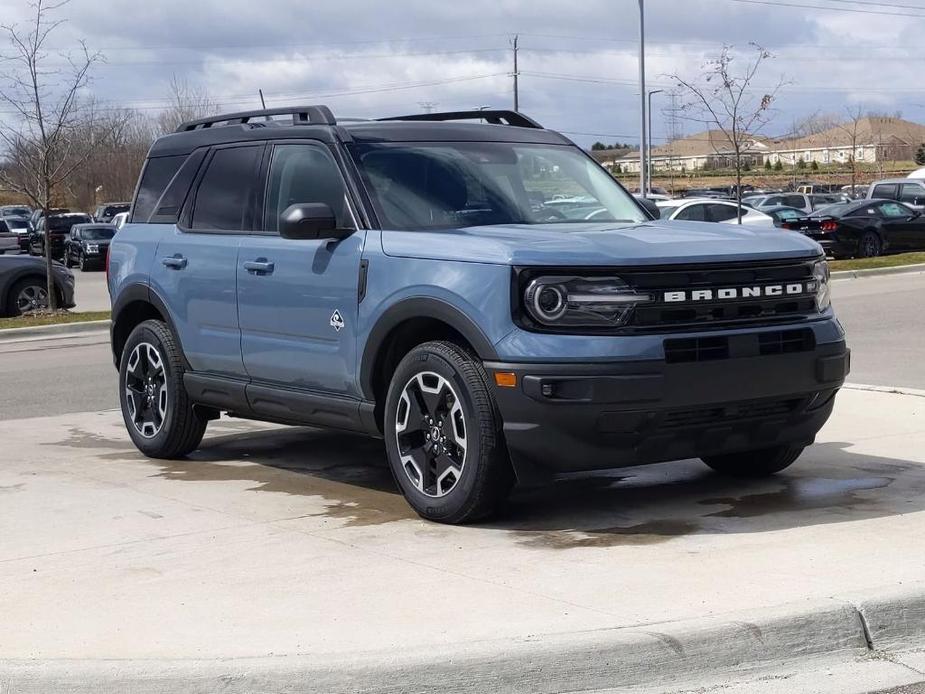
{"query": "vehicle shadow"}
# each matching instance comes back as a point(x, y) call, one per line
point(643, 505)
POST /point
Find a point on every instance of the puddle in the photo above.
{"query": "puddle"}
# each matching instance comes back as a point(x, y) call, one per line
point(799, 495)
point(647, 533)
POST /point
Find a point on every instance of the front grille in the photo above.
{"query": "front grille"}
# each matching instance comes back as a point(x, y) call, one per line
point(713, 348)
point(716, 312)
point(728, 414)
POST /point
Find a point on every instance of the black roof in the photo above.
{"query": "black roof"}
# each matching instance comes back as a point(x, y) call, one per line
point(318, 123)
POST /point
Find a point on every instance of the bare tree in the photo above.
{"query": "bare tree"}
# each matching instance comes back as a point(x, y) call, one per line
point(852, 130)
point(43, 149)
point(725, 99)
point(187, 102)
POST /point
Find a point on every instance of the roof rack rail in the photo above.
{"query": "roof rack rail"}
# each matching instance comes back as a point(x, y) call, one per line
point(495, 117)
point(301, 115)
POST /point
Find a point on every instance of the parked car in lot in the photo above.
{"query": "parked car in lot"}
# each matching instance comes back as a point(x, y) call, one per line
point(105, 212)
point(59, 226)
point(87, 245)
point(9, 242)
point(710, 210)
point(19, 227)
point(396, 278)
point(864, 228)
point(39, 213)
point(911, 192)
point(23, 285)
point(783, 214)
point(119, 220)
point(15, 211)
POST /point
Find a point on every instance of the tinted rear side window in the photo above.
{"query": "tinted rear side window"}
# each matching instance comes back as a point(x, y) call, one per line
point(225, 189)
point(157, 174)
point(888, 191)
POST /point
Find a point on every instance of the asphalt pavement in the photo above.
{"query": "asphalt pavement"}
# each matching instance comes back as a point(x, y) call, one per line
point(90, 292)
point(885, 320)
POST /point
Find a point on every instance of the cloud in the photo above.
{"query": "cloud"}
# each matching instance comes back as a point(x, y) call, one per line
point(578, 59)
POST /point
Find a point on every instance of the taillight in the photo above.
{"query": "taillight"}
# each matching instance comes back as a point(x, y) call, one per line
point(829, 225)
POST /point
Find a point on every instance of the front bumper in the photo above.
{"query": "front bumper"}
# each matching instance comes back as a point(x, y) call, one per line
point(571, 417)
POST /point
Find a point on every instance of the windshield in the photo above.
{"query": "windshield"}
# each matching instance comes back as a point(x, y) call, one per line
point(97, 234)
point(18, 211)
point(16, 223)
point(448, 185)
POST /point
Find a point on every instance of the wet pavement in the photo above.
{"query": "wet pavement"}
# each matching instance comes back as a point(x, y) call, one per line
point(273, 540)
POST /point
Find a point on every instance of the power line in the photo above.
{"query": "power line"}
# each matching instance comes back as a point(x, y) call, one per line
point(777, 3)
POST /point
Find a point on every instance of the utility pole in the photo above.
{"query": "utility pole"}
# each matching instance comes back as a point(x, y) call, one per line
point(516, 75)
point(642, 97)
point(427, 106)
point(651, 137)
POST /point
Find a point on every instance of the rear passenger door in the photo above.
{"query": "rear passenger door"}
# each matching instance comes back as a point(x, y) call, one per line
point(298, 299)
point(194, 271)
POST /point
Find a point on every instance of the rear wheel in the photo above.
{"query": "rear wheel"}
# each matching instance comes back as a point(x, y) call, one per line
point(155, 407)
point(869, 246)
point(443, 435)
point(758, 463)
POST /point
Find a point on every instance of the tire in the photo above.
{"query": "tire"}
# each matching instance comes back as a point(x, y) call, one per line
point(82, 263)
point(67, 260)
point(763, 462)
point(168, 428)
point(463, 478)
point(28, 294)
point(869, 246)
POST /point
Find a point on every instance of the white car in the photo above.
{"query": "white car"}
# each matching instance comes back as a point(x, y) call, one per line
point(118, 221)
point(708, 210)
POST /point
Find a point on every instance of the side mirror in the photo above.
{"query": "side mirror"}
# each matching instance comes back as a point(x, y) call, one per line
point(310, 221)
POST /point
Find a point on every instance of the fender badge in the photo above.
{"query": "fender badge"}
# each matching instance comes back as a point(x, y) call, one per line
point(337, 322)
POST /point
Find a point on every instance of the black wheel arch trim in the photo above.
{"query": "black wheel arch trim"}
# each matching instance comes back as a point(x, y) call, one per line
point(419, 307)
point(134, 293)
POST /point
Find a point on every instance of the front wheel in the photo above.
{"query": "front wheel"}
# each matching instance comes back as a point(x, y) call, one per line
point(82, 263)
point(155, 407)
point(443, 435)
point(758, 463)
point(30, 294)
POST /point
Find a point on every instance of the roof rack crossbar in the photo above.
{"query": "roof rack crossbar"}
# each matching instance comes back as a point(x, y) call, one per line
point(301, 115)
point(495, 117)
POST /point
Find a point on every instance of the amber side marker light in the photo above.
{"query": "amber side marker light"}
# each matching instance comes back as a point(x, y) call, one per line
point(505, 379)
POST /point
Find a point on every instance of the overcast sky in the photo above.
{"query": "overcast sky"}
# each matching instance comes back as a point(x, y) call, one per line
point(578, 57)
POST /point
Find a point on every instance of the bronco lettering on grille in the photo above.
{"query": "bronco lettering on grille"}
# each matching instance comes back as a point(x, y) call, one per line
point(733, 293)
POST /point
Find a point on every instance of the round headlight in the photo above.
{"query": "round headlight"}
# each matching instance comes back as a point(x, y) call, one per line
point(548, 302)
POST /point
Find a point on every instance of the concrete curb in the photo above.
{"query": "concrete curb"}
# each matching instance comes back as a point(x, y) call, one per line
point(877, 271)
point(645, 655)
point(60, 330)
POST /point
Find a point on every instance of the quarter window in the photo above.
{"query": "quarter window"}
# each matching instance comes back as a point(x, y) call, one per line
point(692, 213)
point(225, 190)
point(157, 174)
point(723, 213)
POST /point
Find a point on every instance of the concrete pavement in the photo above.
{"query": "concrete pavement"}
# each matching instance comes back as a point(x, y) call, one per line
point(290, 549)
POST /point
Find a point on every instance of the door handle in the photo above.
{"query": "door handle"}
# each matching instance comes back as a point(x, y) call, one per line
point(261, 266)
point(177, 262)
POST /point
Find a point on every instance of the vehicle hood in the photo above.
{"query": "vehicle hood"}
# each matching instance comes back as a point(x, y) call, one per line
point(607, 244)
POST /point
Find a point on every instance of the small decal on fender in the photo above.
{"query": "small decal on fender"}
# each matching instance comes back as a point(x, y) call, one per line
point(337, 321)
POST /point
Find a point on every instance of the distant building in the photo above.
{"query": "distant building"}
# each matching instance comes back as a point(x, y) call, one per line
point(869, 140)
point(710, 149)
point(609, 158)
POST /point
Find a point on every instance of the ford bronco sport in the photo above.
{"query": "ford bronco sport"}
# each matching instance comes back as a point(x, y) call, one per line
point(484, 296)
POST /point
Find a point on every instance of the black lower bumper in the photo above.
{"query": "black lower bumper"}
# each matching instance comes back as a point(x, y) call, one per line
point(570, 417)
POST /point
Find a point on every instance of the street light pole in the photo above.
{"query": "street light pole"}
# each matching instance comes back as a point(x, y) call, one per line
point(649, 152)
point(642, 97)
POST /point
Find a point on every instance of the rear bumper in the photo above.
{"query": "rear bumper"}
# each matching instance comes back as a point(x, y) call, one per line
point(570, 417)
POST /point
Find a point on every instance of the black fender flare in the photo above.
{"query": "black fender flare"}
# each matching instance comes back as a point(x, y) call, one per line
point(131, 294)
point(419, 307)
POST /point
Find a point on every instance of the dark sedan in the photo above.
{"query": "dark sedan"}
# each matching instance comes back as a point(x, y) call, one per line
point(88, 245)
point(864, 228)
point(23, 285)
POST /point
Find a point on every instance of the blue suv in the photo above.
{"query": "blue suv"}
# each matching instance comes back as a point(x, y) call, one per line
point(469, 286)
